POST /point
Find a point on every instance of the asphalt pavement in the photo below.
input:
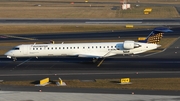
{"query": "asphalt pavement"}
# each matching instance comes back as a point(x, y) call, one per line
point(166, 21)
point(161, 65)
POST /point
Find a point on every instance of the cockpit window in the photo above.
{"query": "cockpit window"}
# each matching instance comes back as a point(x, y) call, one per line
point(15, 48)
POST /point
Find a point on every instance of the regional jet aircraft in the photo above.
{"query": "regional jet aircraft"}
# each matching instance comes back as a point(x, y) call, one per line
point(89, 50)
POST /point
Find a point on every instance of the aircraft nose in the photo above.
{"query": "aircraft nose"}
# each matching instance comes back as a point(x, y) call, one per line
point(8, 54)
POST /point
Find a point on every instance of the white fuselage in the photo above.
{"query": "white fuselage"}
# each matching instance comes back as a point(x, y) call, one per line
point(99, 50)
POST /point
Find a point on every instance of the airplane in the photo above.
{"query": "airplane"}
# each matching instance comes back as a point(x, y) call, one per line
point(90, 50)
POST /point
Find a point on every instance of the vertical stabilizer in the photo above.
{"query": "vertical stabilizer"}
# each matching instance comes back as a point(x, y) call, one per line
point(156, 35)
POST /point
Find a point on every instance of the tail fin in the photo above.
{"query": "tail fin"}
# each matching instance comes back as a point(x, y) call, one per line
point(156, 35)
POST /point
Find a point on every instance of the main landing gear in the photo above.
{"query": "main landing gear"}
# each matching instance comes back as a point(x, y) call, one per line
point(95, 60)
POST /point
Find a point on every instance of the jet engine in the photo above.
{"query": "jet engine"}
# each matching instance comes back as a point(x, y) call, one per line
point(130, 45)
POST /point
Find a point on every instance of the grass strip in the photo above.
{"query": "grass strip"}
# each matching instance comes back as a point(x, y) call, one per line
point(82, 10)
point(137, 83)
point(48, 29)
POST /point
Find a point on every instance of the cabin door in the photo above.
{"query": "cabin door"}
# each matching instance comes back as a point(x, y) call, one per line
point(25, 50)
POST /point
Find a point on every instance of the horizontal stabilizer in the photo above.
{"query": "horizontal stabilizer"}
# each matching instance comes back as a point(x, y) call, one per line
point(162, 30)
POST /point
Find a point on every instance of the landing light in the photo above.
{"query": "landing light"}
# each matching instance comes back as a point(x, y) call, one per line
point(9, 57)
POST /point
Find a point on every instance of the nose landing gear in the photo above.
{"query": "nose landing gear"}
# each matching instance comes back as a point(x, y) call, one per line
point(14, 58)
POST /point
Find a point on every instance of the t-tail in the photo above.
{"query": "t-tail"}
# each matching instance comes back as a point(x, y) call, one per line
point(156, 35)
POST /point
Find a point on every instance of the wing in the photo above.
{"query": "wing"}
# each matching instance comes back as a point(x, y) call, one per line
point(89, 56)
point(102, 55)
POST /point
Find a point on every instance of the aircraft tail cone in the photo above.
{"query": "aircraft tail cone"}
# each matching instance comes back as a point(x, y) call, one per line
point(158, 45)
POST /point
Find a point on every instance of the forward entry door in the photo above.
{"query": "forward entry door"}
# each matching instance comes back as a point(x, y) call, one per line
point(25, 50)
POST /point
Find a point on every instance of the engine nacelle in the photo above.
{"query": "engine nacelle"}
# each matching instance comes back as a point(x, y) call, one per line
point(128, 44)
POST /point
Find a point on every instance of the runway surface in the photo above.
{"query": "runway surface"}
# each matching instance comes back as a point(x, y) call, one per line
point(174, 21)
point(160, 65)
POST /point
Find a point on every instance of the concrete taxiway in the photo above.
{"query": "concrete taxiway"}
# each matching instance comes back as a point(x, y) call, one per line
point(47, 96)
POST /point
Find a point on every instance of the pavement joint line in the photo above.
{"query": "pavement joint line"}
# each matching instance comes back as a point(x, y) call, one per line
point(24, 62)
point(59, 74)
point(19, 37)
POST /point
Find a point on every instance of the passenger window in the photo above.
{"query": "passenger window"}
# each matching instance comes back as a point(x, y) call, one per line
point(104, 47)
point(83, 47)
point(74, 47)
point(48, 48)
point(92, 47)
point(59, 47)
point(33, 48)
point(52, 48)
point(56, 48)
point(107, 46)
point(63, 47)
point(36, 48)
point(40, 48)
point(99, 46)
point(67, 47)
point(77, 47)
